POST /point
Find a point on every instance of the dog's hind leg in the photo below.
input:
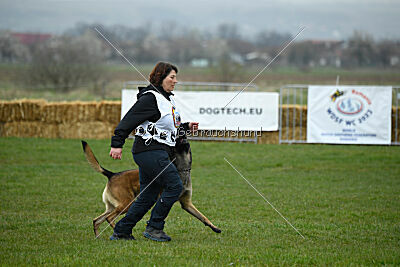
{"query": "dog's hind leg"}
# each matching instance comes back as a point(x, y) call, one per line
point(111, 221)
point(121, 209)
point(111, 217)
point(111, 208)
point(187, 205)
point(99, 220)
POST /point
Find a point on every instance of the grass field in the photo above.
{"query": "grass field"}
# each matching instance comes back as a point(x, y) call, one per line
point(344, 199)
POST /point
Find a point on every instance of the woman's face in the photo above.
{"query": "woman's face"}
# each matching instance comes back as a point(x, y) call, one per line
point(169, 82)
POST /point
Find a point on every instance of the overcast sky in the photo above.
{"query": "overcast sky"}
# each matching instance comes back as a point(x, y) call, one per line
point(324, 19)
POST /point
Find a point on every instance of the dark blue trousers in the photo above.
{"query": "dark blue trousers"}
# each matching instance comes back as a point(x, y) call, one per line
point(151, 164)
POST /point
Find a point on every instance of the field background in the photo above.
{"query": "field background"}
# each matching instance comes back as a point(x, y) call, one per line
point(13, 84)
point(344, 199)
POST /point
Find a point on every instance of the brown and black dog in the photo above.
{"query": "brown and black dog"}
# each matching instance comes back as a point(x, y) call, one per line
point(123, 187)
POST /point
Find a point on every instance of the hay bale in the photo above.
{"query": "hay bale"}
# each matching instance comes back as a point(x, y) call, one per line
point(69, 112)
point(11, 111)
point(21, 110)
point(56, 112)
point(22, 129)
point(32, 109)
point(294, 111)
point(295, 133)
point(49, 113)
point(90, 130)
point(109, 111)
point(87, 111)
point(4, 111)
point(268, 138)
point(37, 118)
point(394, 114)
point(16, 113)
point(2, 128)
point(81, 112)
point(49, 130)
point(10, 129)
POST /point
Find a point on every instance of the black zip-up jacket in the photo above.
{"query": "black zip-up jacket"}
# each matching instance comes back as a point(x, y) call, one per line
point(144, 109)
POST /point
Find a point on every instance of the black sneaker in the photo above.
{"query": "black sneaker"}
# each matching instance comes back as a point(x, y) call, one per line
point(121, 237)
point(156, 235)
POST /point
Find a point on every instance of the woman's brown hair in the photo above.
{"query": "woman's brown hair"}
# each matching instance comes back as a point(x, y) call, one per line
point(160, 71)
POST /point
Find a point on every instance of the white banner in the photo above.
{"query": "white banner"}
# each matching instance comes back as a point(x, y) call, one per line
point(349, 114)
point(251, 111)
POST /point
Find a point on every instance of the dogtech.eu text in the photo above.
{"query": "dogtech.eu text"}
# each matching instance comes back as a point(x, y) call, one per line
point(230, 111)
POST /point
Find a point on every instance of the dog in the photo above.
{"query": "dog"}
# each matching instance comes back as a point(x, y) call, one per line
point(123, 187)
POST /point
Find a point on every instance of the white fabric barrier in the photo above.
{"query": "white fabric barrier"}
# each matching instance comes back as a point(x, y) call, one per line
point(251, 111)
point(349, 114)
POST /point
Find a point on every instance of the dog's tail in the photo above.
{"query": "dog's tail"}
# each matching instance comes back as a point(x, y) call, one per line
point(93, 161)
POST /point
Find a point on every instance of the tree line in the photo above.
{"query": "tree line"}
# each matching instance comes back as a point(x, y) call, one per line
point(79, 54)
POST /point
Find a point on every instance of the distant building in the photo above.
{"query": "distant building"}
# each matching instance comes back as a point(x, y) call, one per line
point(394, 61)
point(237, 58)
point(257, 57)
point(200, 62)
point(31, 38)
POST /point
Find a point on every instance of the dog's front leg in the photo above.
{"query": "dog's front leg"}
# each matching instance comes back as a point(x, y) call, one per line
point(186, 203)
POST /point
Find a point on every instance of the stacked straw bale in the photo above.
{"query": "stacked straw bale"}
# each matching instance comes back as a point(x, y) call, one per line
point(268, 138)
point(109, 111)
point(290, 131)
point(294, 111)
point(38, 118)
point(394, 133)
point(21, 110)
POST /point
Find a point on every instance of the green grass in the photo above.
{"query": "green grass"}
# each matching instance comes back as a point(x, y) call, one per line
point(344, 199)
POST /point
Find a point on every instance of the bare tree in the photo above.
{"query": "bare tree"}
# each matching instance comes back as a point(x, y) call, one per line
point(362, 51)
point(272, 38)
point(227, 69)
point(301, 54)
point(11, 50)
point(389, 53)
point(68, 62)
point(228, 31)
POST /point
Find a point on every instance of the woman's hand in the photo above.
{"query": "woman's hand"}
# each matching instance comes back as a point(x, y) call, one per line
point(193, 126)
point(116, 153)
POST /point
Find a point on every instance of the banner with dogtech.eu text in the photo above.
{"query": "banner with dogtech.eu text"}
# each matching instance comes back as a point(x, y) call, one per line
point(349, 114)
point(250, 111)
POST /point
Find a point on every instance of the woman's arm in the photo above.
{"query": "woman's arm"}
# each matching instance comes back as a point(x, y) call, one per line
point(144, 109)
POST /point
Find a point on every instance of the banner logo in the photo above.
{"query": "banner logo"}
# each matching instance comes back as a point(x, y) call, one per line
point(350, 106)
point(352, 109)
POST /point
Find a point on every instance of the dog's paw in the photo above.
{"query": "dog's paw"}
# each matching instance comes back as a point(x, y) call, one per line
point(215, 229)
